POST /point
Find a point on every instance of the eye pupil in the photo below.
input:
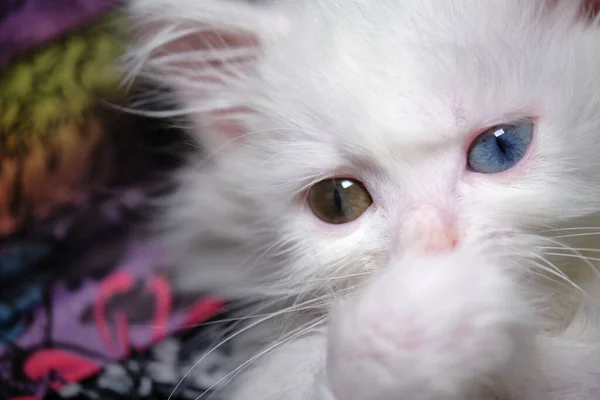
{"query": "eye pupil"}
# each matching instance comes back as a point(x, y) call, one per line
point(501, 145)
point(338, 201)
point(499, 148)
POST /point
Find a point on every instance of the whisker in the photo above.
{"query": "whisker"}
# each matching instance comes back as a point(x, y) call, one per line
point(333, 278)
point(230, 337)
point(221, 343)
point(231, 375)
point(580, 228)
point(576, 254)
point(551, 278)
point(555, 271)
point(582, 257)
point(312, 304)
point(576, 235)
point(578, 249)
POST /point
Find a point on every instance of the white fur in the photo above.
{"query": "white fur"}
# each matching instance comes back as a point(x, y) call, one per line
point(391, 92)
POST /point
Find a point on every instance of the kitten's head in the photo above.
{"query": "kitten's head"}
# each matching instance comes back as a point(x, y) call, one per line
point(341, 134)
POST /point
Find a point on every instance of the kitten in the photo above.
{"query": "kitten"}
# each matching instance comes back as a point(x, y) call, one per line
point(410, 188)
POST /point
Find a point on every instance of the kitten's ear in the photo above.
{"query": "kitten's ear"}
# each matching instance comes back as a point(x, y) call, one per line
point(204, 51)
point(591, 8)
point(588, 9)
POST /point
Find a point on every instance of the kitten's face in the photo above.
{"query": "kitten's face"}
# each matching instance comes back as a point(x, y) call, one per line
point(445, 125)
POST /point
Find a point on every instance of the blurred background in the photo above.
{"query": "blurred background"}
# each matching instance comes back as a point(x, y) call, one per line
point(86, 306)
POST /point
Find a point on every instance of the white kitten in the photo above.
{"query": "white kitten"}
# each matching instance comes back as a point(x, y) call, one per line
point(453, 255)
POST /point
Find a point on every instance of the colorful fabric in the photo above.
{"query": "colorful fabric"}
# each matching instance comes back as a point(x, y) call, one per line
point(27, 24)
point(87, 309)
point(51, 139)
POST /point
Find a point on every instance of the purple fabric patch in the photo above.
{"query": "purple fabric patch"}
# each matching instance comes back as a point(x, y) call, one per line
point(75, 332)
point(26, 24)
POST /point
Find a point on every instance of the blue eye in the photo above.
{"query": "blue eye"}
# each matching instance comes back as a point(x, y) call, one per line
point(499, 148)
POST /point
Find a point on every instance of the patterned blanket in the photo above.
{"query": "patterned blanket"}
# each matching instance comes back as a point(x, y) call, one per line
point(86, 305)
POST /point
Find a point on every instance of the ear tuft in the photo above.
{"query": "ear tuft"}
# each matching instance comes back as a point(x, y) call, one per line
point(191, 34)
point(591, 8)
point(203, 50)
point(580, 9)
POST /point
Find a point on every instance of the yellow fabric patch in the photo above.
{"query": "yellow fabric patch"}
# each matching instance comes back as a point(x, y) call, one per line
point(51, 142)
point(62, 80)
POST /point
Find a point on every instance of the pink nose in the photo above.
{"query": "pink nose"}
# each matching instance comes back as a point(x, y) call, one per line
point(429, 230)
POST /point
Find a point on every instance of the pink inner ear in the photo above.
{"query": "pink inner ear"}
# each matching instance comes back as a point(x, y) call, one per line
point(210, 40)
point(214, 42)
point(226, 121)
point(212, 60)
point(591, 8)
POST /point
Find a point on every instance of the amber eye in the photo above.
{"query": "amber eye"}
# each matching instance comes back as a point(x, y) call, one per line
point(338, 201)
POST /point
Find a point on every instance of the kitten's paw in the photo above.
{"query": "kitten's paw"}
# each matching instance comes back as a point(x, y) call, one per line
point(430, 328)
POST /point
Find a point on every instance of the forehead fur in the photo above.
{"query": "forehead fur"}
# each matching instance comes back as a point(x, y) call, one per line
point(441, 66)
point(433, 66)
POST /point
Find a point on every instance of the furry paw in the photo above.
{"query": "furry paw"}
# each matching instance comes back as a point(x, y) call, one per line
point(428, 328)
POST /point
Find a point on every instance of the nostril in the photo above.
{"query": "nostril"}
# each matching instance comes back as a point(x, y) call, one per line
point(441, 241)
point(430, 230)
